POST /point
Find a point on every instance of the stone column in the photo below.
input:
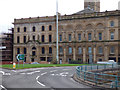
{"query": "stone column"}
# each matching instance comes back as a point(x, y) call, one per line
point(94, 51)
point(106, 53)
point(74, 53)
point(14, 55)
point(64, 59)
point(84, 55)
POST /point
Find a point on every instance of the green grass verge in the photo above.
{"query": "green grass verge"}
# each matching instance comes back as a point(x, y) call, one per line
point(10, 66)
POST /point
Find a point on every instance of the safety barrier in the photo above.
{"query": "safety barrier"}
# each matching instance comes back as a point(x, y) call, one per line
point(91, 74)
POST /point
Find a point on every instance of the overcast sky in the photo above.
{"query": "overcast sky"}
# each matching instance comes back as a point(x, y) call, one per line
point(10, 9)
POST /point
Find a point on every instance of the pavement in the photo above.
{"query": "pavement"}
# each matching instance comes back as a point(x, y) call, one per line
point(49, 77)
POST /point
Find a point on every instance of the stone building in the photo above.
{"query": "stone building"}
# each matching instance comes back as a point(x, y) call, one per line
point(88, 36)
point(6, 47)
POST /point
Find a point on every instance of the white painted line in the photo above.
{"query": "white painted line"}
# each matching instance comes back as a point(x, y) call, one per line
point(53, 71)
point(7, 74)
point(3, 87)
point(14, 71)
point(67, 69)
point(52, 74)
point(43, 73)
point(37, 77)
point(41, 84)
point(2, 72)
point(22, 73)
point(37, 71)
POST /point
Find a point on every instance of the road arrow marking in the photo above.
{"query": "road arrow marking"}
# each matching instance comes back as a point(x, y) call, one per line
point(2, 72)
point(41, 84)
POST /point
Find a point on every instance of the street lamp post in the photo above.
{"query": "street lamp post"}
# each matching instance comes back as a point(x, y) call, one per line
point(57, 57)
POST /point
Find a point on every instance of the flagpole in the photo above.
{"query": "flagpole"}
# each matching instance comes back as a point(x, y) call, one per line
point(57, 57)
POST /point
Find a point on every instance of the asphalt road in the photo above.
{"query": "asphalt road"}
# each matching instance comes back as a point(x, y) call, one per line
point(49, 77)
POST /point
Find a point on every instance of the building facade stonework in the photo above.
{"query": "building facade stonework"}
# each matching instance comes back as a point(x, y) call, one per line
point(86, 36)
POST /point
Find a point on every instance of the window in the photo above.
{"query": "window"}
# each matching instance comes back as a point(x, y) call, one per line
point(89, 50)
point(50, 50)
point(112, 23)
point(25, 29)
point(112, 35)
point(89, 36)
point(18, 39)
point(100, 50)
point(112, 50)
point(70, 50)
point(32, 59)
point(69, 37)
point(25, 50)
point(34, 38)
point(18, 29)
point(24, 39)
point(61, 50)
point(34, 29)
point(34, 48)
point(43, 39)
point(50, 28)
point(80, 50)
point(100, 36)
point(33, 53)
point(18, 50)
point(60, 38)
point(79, 37)
point(43, 28)
point(43, 50)
point(50, 38)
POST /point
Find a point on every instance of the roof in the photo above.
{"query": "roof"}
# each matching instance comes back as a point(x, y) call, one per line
point(86, 10)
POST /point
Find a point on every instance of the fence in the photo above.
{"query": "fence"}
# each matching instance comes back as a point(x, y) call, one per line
point(91, 74)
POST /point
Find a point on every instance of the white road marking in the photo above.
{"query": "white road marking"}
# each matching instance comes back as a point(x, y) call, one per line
point(22, 73)
point(7, 74)
point(67, 69)
point(41, 84)
point(14, 71)
point(3, 87)
point(37, 71)
point(52, 74)
point(53, 71)
point(43, 73)
point(37, 77)
point(2, 72)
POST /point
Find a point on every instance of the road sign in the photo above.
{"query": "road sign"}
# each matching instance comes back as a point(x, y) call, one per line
point(20, 57)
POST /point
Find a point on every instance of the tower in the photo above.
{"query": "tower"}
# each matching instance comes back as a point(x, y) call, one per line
point(93, 4)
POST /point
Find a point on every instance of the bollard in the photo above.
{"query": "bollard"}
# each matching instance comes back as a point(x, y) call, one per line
point(14, 65)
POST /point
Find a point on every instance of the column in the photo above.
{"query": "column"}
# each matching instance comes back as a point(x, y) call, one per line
point(64, 59)
point(94, 51)
point(14, 55)
point(84, 55)
point(74, 53)
point(106, 53)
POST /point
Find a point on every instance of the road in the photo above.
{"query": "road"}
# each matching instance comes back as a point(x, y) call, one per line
point(49, 77)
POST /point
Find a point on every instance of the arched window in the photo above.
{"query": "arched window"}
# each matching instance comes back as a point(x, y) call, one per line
point(25, 50)
point(18, 50)
point(25, 29)
point(100, 50)
point(70, 50)
point(43, 28)
point(18, 29)
point(79, 50)
point(50, 28)
point(34, 29)
point(34, 48)
point(50, 50)
point(112, 23)
point(61, 50)
point(43, 50)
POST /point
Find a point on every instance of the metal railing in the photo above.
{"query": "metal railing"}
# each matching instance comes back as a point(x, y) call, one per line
point(96, 75)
